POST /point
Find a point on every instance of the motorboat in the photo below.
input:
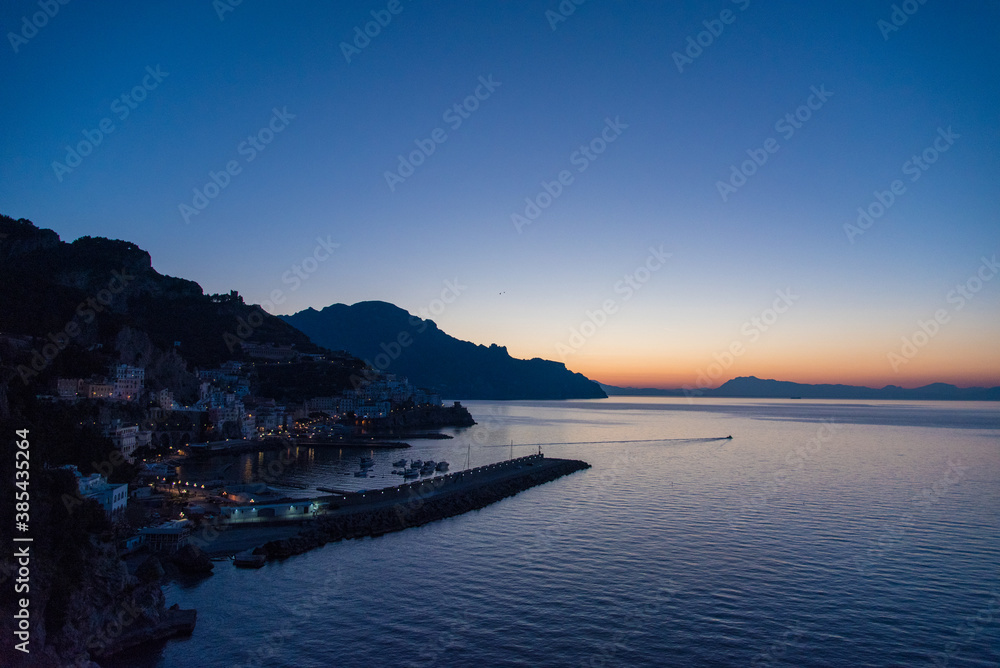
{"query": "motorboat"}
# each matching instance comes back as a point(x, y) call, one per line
point(400, 463)
point(412, 473)
point(442, 466)
point(247, 559)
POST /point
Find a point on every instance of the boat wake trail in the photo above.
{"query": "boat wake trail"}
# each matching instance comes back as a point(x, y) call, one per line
point(643, 440)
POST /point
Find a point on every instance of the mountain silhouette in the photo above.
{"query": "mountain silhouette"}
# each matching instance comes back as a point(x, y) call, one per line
point(394, 341)
point(751, 387)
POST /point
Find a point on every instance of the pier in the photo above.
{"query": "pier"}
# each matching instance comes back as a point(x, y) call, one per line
point(380, 511)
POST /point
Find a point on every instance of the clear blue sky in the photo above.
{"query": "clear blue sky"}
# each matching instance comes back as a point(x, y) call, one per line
point(857, 295)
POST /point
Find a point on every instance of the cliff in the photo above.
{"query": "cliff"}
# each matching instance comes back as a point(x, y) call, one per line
point(83, 601)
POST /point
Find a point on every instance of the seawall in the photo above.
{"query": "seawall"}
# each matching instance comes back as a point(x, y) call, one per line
point(376, 513)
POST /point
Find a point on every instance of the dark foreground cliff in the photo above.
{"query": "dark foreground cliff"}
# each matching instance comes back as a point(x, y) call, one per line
point(82, 601)
point(420, 503)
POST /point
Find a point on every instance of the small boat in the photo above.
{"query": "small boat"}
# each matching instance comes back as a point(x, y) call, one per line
point(416, 464)
point(400, 463)
point(361, 474)
point(412, 473)
point(247, 559)
point(442, 466)
point(367, 462)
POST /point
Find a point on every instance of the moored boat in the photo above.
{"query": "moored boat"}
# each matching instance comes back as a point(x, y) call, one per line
point(247, 559)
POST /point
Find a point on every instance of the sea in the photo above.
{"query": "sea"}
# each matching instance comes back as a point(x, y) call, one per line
point(823, 533)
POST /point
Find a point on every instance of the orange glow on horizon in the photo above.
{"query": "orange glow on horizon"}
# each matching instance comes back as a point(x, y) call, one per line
point(669, 374)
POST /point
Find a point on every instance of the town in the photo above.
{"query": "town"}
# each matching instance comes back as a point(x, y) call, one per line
point(153, 429)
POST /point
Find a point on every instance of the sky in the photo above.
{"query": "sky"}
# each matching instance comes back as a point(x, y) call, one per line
point(656, 194)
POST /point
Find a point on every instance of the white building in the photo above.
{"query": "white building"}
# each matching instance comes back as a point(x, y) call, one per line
point(125, 439)
point(113, 498)
point(377, 409)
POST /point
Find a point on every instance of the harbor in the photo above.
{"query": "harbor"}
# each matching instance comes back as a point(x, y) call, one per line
point(289, 526)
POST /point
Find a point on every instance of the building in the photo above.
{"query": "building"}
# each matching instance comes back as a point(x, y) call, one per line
point(326, 405)
point(112, 497)
point(377, 409)
point(125, 439)
point(128, 382)
point(164, 399)
point(286, 510)
point(167, 537)
point(143, 438)
point(69, 388)
point(98, 390)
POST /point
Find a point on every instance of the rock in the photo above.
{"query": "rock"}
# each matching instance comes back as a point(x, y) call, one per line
point(190, 559)
point(150, 570)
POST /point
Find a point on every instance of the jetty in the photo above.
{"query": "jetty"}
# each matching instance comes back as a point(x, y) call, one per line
point(376, 512)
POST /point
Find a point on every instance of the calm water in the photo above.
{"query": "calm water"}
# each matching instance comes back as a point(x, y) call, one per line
point(824, 533)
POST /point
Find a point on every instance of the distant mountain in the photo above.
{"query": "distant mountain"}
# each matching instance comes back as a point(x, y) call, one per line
point(394, 341)
point(758, 388)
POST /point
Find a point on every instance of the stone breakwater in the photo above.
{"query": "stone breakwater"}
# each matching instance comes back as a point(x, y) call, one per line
point(428, 503)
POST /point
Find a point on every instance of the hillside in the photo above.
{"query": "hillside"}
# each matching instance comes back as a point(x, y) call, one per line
point(394, 341)
point(101, 298)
